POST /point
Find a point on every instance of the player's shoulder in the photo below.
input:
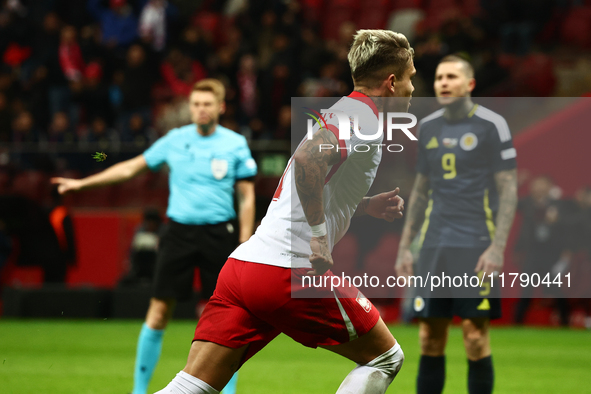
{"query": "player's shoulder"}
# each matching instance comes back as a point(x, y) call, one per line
point(496, 121)
point(181, 131)
point(230, 136)
point(432, 118)
point(430, 122)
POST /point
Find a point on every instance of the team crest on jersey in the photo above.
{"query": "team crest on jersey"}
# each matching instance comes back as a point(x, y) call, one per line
point(450, 142)
point(469, 141)
point(419, 304)
point(364, 302)
point(219, 168)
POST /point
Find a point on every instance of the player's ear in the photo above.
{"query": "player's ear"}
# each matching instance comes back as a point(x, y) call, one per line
point(471, 84)
point(222, 107)
point(391, 83)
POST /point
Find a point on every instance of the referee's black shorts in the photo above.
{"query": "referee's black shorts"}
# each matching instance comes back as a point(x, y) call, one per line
point(184, 247)
point(448, 301)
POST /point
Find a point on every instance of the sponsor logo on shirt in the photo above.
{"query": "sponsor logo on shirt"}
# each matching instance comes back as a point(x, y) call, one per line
point(450, 142)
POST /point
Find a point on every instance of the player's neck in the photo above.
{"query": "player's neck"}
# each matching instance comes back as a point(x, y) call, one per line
point(207, 129)
point(459, 109)
point(373, 94)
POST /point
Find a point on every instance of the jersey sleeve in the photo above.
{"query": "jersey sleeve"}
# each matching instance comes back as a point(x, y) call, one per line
point(246, 167)
point(422, 163)
point(156, 155)
point(503, 154)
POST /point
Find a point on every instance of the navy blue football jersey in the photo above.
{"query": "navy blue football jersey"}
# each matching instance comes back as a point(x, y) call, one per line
point(460, 159)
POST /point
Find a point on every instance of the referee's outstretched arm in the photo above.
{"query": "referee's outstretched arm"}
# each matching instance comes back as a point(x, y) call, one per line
point(117, 173)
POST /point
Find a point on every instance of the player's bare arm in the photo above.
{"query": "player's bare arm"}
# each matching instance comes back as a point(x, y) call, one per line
point(117, 173)
point(246, 209)
point(492, 258)
point(310, 166)
point(387, 206)
point(419, 198)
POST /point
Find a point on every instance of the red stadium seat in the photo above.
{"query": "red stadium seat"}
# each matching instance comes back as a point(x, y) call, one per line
point(131, 193)
point(31, 184)
point(374, 17)
point(405, 4)
point(576, 28)
point(101, 197)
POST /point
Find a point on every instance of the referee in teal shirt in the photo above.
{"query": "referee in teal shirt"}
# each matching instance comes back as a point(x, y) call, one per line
point(207, 163)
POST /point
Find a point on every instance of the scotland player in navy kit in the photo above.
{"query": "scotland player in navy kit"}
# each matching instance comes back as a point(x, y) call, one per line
point(206, 162)
point(466, 191)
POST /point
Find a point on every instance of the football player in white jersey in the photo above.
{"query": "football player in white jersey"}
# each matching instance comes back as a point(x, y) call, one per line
point(260, 293)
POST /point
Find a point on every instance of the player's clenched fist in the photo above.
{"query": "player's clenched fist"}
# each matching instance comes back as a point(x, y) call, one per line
point(387, 206)
point(320, 258)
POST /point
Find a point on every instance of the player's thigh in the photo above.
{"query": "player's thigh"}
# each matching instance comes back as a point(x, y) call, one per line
point(429, 303)
point(320, 316)
point(368, 346)
point(176, 262)
point(217, 244)
point(227, 321)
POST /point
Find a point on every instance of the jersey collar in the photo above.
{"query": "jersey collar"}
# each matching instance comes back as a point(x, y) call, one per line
point(364, 99)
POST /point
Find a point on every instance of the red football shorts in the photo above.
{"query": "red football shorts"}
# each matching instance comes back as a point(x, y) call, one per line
point(253, 303)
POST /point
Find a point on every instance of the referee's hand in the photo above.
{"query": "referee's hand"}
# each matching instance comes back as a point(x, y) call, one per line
point(66, 185)
point(320, 258)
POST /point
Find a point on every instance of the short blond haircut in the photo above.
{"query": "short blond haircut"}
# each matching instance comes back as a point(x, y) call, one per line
point(211, 85)
point(375, 54)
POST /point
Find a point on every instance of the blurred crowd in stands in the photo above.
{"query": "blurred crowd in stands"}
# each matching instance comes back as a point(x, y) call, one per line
point(115, 73)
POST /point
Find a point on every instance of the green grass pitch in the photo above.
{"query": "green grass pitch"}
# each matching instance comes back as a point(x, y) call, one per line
point(96, 357)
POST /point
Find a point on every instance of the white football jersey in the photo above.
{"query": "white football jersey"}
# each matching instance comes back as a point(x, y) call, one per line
point(283, 238)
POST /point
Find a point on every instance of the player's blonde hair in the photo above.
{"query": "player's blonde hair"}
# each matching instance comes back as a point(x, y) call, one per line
point(375, 54)
point(211, 85)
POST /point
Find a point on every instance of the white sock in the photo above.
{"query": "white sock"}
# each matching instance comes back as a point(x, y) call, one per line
point(375, 376)
point(183, 383)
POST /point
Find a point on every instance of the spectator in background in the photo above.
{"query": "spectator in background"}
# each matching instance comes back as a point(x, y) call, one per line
point(119, 24)
point(100, 134)
point(153, 24)
point(136, 87)
point(23, 129)
point(180, 72)
point(577, 215)
point(194, 44)
point(5, 119)
point(70, 55)
point(60, 130)
point(137, 132)
point(542, 242)
point(95, 94)
point(247, 87)
point(61, 222)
